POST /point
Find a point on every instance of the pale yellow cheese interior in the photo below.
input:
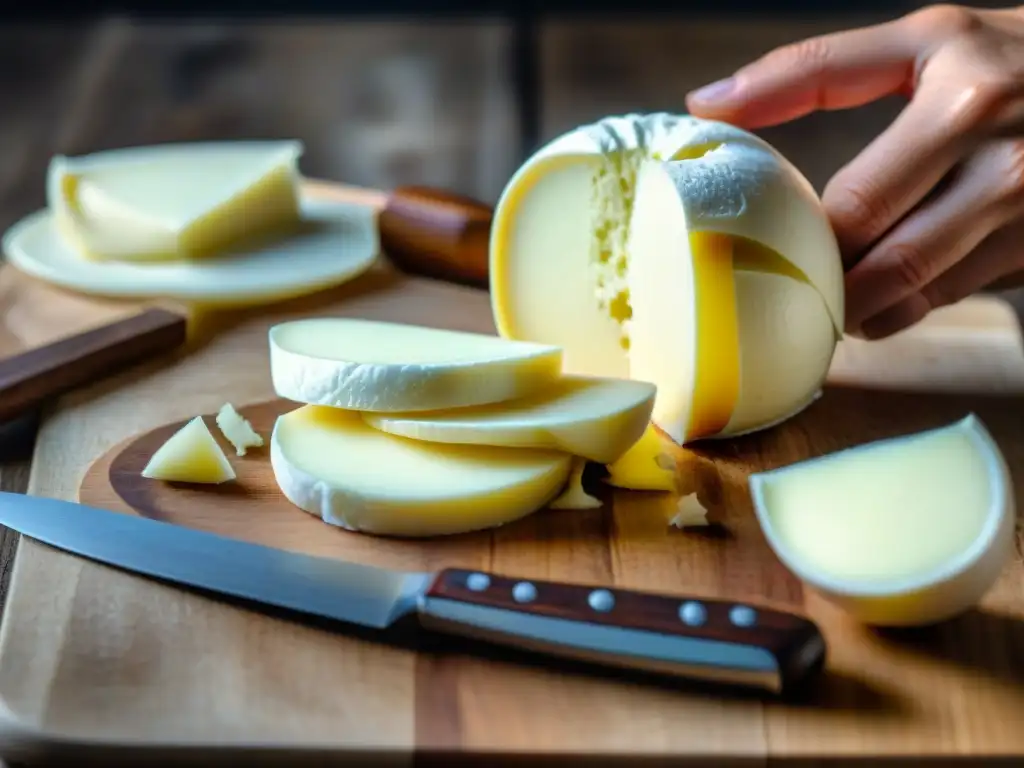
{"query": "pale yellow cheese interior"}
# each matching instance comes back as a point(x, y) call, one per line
point(591, 417)
point(885, 511)
point(574, 495)
point(330, 462)
point(237, 430)
point(176, 201)
point(190, 455)
point(648, 465)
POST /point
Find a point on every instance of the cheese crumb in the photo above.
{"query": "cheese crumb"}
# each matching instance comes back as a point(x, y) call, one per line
point(237, 430)
point(574, 496)
point(690, 513)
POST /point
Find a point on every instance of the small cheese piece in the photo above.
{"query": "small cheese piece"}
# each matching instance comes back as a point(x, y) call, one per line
point(574, 495)
point(594, 418)
point(175, 201)
point(378, 366)
point(674, 250)
point(907, 530)
point(690, 513)
point(190, 455)
point(646, 466)
point(332, 464)
point(237, 430)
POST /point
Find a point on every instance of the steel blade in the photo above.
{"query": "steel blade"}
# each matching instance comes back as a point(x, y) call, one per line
point(334, 589)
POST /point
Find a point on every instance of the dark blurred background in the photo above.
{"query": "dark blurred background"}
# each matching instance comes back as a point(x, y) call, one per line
point(450, 94)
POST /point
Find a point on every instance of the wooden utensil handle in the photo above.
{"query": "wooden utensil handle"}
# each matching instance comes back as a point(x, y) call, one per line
point(692, 637)
point(32, 377)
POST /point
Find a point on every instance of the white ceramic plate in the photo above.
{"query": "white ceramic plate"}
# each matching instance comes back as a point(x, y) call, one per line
point(339, 242)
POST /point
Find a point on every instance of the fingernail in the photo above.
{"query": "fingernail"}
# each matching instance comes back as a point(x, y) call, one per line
point(716, 91)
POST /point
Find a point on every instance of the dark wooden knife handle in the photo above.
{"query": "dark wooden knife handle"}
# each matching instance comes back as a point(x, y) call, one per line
point(731, 642)
point(437, 234)
point(30, 378)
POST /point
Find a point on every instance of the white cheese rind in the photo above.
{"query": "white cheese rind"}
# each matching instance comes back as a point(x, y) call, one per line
point(596, 419)
point(945, 502)
point(378, 366)
point(331, 464)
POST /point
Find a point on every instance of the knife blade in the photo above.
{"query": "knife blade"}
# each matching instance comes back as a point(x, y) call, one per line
point(691, 637)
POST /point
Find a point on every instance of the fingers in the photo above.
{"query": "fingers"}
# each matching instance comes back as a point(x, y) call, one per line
point(906, 272)
point(998, 260)
point(834, 71)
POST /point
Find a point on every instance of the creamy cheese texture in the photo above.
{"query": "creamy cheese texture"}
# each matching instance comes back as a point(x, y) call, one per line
point(332, 464)
point(664, 248)
point(237, 430)
point(175, 201)
point(648, 465)
point(380, 366)
point(574, 495)
point(591, 417)
point(190, 455)
point(926, 517)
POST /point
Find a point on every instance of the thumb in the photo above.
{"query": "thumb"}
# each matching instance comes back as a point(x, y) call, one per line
point(835, 71)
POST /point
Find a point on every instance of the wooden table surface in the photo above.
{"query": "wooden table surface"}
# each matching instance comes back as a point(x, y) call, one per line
point(377, 103)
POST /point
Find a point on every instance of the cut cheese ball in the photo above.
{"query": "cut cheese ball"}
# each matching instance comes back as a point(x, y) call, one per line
point(574, 495)
point(378, 366)
point(332, 464)
point(735, 230)
point(174, 201)
point(190, 455)
point(595, 418)
point(237, 430)
point(909, 530)
point(646, 466)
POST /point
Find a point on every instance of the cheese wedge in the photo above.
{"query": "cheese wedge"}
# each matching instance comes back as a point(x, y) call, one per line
point(909, 530)
point(657, 247)
point(378, 366)
point(190, 455)
point(330, 463)
point(237, 430)
point(646, 466)
point(175, 201)
point(594, 418)
point(574, 495)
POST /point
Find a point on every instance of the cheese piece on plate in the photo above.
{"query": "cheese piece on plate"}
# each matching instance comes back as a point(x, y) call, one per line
point(595, 418)
point(647, 466)
point(190, 455)
point(574, 495)
point(237, 430)
point(213, 223)
point(380, 366)
point(902, 531)
point(332, 464)
point(689, 513)
point(680, 251)
point(174, 201)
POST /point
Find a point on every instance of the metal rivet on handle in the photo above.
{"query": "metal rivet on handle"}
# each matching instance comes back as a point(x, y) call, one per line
point(524, 592)
point(478, 582)
point(601, 600)
point(742, 616)
point(693, 613)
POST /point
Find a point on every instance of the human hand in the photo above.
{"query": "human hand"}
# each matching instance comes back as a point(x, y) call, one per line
point(932, 210)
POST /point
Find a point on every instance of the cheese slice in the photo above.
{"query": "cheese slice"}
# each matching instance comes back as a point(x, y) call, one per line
point(190, 455)
point(237, 430)
point(574, 495)
point(905, 530)
point(330, 463)
point(379, 366)
point(175, 201)
point(647, 466)
point(594, 418)
point(654, 247)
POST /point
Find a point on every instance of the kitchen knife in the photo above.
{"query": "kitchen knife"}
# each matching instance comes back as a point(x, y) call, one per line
point(422, 231)
point(690, 637)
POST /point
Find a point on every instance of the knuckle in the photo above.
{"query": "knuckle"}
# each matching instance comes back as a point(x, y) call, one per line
point(1012, 179)
point(908, 265)
point(937, 294)
point(981, 103)
point(811, 57)
point(944, 20)
point(855, 207)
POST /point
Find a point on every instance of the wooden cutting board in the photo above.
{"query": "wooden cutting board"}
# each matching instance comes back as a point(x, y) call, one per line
point(93, 656)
